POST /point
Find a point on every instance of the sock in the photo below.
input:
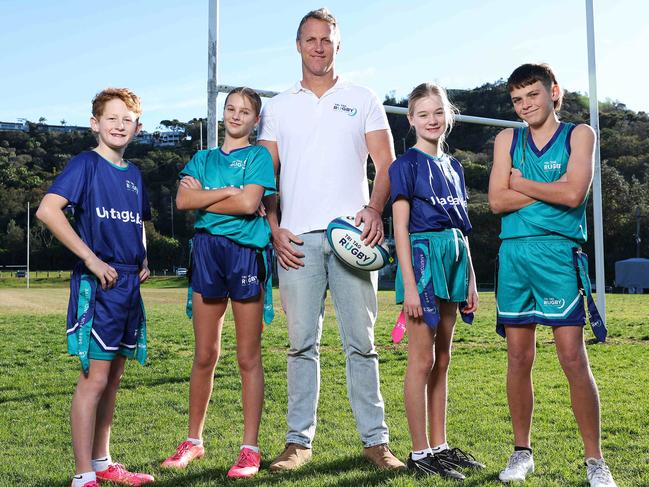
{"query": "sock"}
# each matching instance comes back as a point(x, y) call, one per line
point(418, 455)
point(101, 464)
point(195, 441)
point(250, 447)
point(83, 478)
point(439, 448)
point(521, 448)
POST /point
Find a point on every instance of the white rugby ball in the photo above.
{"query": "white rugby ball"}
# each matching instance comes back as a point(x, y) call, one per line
point(345, 240)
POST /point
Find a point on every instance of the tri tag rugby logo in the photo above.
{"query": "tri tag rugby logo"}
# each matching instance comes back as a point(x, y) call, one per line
point(551, 165)
point(354, 248)
point(341, 107)
point(239, 163)
point(559, 303)
point(131, 186)
point(249, 280)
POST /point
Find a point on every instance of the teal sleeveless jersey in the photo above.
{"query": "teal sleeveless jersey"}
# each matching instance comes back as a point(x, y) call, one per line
point(545, 165)
point(216, 169)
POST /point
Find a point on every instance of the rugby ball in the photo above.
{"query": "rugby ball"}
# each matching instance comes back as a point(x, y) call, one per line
point(345, 241)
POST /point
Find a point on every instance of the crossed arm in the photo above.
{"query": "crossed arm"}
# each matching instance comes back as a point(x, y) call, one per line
point(227, 201)
point(510, 191)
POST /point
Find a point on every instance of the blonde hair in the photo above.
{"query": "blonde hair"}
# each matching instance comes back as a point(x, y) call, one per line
point(320, 14)
point(425, 90)
point(130, 99)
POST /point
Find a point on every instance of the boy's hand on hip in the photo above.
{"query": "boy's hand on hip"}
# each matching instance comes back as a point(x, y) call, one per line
point(106, 274)
point(144, 273)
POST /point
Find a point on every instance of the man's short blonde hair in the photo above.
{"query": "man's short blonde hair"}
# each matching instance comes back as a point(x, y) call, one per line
point(320, 14)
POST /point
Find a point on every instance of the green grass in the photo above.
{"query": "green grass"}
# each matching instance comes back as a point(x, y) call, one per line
point(38, 379)
point(50, 279)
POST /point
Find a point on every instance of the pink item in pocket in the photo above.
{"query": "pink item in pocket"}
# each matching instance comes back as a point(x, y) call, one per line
point(399, 328)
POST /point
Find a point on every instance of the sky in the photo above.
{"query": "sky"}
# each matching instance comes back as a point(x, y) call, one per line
point(55, 56)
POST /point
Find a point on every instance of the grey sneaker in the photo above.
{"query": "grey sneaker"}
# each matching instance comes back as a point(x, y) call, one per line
point(598, 474)
point(520, 464)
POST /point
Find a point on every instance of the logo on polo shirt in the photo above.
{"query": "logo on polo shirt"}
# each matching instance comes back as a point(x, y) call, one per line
point(341, 107)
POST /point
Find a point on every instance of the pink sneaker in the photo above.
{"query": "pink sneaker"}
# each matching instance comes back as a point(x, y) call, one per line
point(185, 453)
point(92, 483)
point(117, 474)
point(246, 465)
point(399, 328)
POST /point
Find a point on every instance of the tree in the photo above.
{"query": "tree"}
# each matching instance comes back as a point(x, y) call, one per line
point(15, 243)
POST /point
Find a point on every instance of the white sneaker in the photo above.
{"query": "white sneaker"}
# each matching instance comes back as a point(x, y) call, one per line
point(598, 474)
point(520, 464)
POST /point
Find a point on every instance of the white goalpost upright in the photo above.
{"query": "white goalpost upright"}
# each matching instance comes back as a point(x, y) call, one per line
point(213, 88)
point(600, 282)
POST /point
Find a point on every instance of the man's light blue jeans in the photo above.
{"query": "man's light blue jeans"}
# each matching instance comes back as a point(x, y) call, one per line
point(354, 298)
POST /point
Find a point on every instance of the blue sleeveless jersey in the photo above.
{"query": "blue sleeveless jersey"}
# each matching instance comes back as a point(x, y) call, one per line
point(109, 204)
point(435, 188)
point(544, 165)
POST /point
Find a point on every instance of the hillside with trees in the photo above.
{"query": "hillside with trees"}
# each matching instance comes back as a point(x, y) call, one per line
point(30, 161)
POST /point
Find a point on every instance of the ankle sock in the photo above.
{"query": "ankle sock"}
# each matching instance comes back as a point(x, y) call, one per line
point(522, 448)
point(418, 455)
point(195, 441)
point(101, 464)
point(83, 478)
point(250, 447)
point(439, 448)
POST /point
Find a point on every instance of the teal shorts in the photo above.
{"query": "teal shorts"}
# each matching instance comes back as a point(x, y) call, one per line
point(537, 283)
point(440, 261)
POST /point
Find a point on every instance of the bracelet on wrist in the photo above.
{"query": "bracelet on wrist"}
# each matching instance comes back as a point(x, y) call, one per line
point(372, 208)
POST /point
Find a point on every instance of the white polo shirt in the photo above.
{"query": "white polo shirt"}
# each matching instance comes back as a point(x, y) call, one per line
point(322, 151)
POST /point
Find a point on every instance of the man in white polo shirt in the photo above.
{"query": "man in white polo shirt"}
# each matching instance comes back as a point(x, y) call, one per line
point(319, 133)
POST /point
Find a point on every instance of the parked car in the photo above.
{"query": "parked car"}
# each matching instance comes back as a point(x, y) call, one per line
point(181, 271)
point(21, 273)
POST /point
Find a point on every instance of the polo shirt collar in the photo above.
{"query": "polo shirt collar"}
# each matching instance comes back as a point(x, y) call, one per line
point(339, 85)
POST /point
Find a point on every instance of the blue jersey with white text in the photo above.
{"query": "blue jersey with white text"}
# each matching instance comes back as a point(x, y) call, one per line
point(109, 204)
point(435, 188)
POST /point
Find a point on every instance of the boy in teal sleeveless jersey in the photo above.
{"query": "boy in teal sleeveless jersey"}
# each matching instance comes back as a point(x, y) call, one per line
point(540, 182)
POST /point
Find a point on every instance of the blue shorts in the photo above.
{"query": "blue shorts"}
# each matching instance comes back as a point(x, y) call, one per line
point(103, 323)
point(221, 268)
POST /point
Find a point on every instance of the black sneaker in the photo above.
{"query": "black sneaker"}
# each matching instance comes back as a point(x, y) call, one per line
point(430, 465)
point(456, 458)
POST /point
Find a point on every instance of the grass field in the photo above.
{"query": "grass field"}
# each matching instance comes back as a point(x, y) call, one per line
point(38, 378)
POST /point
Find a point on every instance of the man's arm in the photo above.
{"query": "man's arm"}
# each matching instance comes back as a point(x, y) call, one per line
point(381, 149)
point(282, 238)
point(503, 198)
point(572, 188)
